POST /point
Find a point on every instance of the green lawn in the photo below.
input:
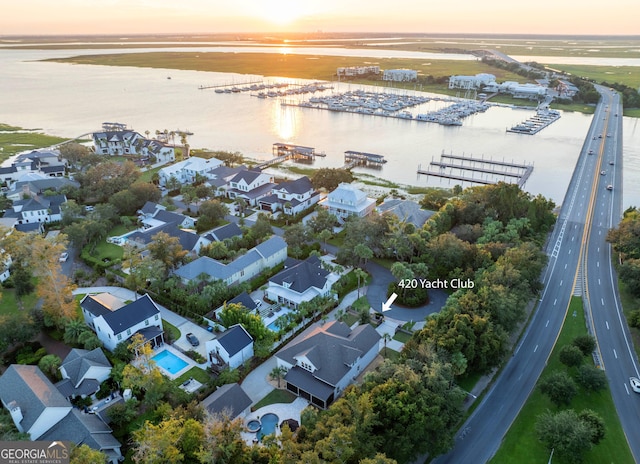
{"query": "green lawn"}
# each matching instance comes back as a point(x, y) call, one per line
point(630, 303)
point(273, 397)
point(171, 329)
point(104, 250)
point(198, 374)
point(390, 354)
point(350, 319)
point(9, 303)
point(402, 337)
point(521, 444)
point(147, 176)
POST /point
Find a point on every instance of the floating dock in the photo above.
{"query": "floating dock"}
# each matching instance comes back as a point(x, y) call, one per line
point(464, 168)
point(533, 125)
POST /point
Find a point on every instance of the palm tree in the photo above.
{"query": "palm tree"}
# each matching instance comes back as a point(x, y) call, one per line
point(73, 329)
point(278, 373)
point(386, 337)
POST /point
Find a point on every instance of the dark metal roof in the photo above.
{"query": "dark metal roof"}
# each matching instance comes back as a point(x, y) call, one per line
point(245, 300)
point(234, 339)
point(124, 317)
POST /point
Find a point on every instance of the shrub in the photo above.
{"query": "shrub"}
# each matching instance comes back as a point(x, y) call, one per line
point(586, 343)
point(591, 378)
point(197, 357)
point(571, 356)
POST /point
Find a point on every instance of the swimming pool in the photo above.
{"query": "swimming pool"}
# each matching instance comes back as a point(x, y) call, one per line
point(268, 423)
point(169, 362)
point(274, 326)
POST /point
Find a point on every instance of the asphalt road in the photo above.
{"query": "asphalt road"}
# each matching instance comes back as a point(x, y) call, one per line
point(481, 435)
point(614, 342)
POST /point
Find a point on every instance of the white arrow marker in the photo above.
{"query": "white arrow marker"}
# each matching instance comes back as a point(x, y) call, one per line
point(387, 306)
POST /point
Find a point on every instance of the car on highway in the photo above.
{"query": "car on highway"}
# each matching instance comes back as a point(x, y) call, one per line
point(193, 339)
point(610, 163)
point(609, 135)
point(63, 257)
point(635, 384)
point(600, 136)
point(591, 152)
point(602, 173)
point(609, 187)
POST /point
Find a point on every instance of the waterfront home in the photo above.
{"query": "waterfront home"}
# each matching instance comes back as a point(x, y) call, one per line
point(39, 409)
point(154, 215)
point(300, 281)
point(251, 185)
point(347, 200)
point(128, 142)
point(266, 255)
point(229, 400)
point(82, 372)
point(292, 197)
point(232, 347)
point(326, 358)
point(185, 172)
point(115, 322)
point(46, 163)
point(399, 75)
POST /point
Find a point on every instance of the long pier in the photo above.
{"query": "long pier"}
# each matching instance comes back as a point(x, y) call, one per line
point(222, 86)
point(360, 158)
point(494, 169)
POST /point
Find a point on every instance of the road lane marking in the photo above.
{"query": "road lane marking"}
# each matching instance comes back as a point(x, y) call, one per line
point(555, 301)
point(607, 322)
point(625, 387)
point(535, 349)
point(547, 324)
point(561, 282)
point(599, 282)
point(602, 301)
point(615, 354)
point(565, 266)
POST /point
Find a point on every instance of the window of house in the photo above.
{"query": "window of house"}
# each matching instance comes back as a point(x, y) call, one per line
point(119, 336)
point(128, 332)
point(146, 322)
point(156, 318)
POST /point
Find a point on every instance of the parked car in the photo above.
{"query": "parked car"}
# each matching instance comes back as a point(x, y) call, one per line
point(635, 384)
point(193, 339)
point(63, 257)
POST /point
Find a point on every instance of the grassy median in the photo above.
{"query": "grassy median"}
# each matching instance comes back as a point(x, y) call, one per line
point(521, 444)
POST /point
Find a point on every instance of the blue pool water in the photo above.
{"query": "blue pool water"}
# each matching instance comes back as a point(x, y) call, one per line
point(169, 362)
point(273, 327)
point(268, 422)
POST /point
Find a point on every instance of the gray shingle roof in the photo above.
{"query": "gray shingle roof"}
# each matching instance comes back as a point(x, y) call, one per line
point(303, 275)
point(78, 362)
point(234, 339)
point(306, 381)
point(81, 428)
point(230, 398)
point(224, 232)
point(406, 210)
point(298, 186)
point(125, 317)
point(332, 348)
point(31, 391)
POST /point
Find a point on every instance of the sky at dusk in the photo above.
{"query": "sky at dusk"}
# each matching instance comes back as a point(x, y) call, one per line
point(591, 17)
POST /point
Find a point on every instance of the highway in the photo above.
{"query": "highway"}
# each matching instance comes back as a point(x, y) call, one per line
point(616, 354)
point(575, 239)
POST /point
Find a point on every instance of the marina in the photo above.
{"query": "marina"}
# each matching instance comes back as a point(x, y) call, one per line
point(395, 106)
point(533, 125)
point(358, 158)
point(464, 168)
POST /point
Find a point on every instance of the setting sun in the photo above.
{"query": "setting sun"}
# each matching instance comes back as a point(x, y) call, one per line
point(283, 12)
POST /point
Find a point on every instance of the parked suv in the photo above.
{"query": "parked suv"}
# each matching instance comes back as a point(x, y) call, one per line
point(193, 339)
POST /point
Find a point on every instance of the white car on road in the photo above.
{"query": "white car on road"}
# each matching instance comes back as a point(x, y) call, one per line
point(635, 384)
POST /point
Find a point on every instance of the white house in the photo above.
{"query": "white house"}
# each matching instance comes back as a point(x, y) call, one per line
point(82, 372)
point(292, 197)
point(38, 208)
point(128, 142)
point(232, 347)
point(250, 185)
point(347, 200)
point(471, 82)
point(115, 322)
point(399, 75)
point(185, 171)
point(352, 71)
point(326, 358)
point(301, 281)
point(264, 256)
point(39, 409)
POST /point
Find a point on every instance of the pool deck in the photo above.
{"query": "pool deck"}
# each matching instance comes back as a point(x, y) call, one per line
point(190, 362)
point(282, 410)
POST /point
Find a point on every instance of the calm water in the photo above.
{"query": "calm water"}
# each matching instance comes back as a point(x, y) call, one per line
point(69, 100)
